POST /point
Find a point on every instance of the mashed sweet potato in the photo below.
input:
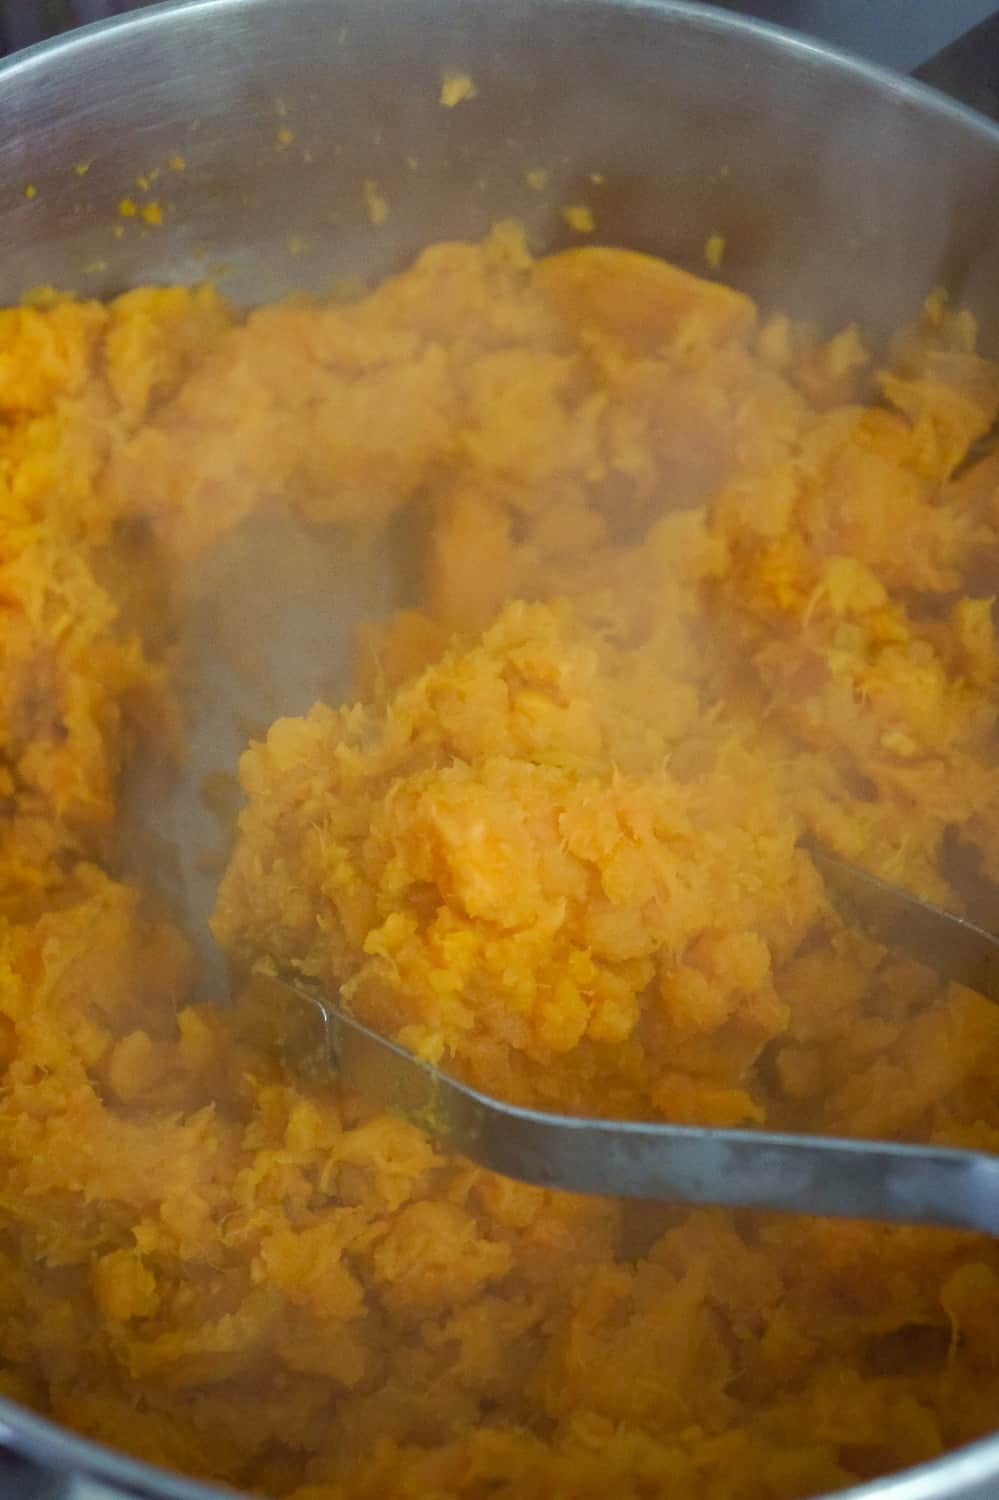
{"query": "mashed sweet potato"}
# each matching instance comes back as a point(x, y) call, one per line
point(694, 585)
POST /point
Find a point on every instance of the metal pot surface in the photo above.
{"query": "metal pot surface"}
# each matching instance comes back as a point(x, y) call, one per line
point(842, 192)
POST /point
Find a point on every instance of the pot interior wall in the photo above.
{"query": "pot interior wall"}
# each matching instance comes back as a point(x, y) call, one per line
point(839, 194)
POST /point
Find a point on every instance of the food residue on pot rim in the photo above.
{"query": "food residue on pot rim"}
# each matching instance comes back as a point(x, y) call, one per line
point(714, 251)
point(375, 202)
point(579, 216)
point(456, 88)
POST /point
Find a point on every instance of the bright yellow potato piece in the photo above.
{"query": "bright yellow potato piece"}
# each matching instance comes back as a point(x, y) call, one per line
point(479, 875)
point(640, 299)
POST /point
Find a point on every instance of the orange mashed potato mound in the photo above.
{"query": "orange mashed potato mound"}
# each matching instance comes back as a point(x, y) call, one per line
point(694, 584)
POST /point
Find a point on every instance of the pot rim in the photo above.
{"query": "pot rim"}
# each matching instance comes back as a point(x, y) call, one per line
point(707, 17)
point(957, 1475)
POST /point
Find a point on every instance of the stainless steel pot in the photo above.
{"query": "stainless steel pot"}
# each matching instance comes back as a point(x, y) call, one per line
point(843, 192)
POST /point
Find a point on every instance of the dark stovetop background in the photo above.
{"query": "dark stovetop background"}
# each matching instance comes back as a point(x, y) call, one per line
point(900, 34)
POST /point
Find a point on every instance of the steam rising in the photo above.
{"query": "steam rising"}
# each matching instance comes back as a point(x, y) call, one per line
point(266, 621)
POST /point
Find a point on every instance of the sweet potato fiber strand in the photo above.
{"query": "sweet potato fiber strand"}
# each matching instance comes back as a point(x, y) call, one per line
point(693, 584)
